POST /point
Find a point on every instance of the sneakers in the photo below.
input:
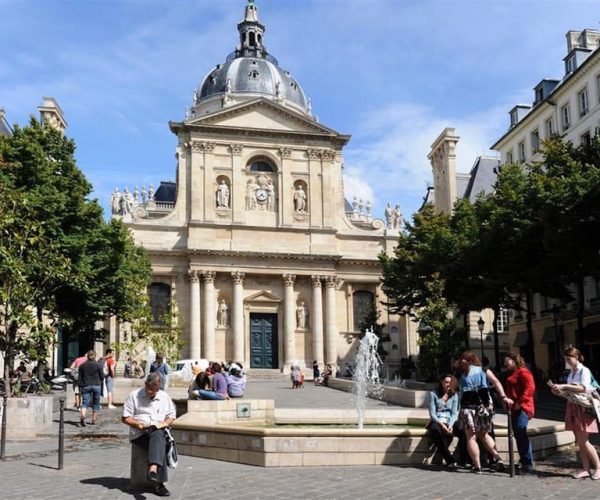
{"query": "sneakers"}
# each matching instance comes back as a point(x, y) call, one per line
point(497, 465)
point(476, 470)
point(112, 407)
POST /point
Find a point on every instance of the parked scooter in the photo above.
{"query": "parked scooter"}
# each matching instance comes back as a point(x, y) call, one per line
point(60, 383)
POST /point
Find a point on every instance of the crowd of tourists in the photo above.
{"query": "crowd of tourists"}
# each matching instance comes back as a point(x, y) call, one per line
point(463, 407)
point(218, 381)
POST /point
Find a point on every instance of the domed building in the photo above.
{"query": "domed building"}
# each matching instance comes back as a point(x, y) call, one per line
point(254, 242)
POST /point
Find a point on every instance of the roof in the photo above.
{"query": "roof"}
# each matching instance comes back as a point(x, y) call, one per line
point(166, 192)
point(481, 178)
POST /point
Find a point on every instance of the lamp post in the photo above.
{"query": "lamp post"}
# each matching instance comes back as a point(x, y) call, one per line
point(555, 310)
point(480, 325)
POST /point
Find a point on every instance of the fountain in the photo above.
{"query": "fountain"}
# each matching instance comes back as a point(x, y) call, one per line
point(366, 373)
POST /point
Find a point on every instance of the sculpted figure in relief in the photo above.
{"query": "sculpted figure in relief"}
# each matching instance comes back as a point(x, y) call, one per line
point(301, 316)
point(223, 195)
point(115, 200)
point(270, 195)
point(222, 313)
point(251, 188)
point(299, 199)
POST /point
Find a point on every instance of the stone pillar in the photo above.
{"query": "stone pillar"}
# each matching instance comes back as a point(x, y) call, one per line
point(238, 317)
point(317, 319)
point(194, 280)
point(331, 332)
point(209, 315)
point(289, 321)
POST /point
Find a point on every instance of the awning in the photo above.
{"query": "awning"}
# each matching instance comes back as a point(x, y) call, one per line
point(591, 333)
point(549, 335)
point(520, 339)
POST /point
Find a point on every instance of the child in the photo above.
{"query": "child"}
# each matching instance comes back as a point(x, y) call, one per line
point(296, 377)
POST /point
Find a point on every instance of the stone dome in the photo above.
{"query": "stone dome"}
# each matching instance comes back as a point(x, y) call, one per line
point(252, 76)
point(250, 71)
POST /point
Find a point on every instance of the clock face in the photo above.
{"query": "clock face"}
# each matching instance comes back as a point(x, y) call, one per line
point(261, 195)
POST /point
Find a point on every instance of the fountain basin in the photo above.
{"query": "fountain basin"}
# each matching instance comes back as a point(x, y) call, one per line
point(212, 429)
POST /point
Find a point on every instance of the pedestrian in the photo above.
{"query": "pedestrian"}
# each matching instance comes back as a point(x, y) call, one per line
point(109, 375)
point(148, 412)
point(296, 376)
point(77, 362)
point(443, 412)
point(476, 408)
point(162, 369)
point(577, 419)
point(520, 389)
point(90, 382)
point(316, 371)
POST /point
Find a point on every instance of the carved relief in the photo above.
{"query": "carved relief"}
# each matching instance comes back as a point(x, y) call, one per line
point(238, 277)
point(260, 193)
point(328, 154)
point(285, 152)
point(201, 147)
point(314, 154)
point(288, 279)
point(236, 149)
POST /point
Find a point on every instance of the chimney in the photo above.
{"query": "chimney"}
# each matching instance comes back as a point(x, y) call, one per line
point(51, 114)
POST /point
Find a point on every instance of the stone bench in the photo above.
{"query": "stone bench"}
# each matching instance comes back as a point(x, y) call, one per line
point(139, 468)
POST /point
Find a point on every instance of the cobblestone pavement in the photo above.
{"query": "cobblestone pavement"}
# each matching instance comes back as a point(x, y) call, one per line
point(97, 467)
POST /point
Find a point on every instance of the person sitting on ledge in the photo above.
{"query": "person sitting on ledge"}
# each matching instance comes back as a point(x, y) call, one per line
point(443, 411)
point(218, 385)
point(200, 382)
point(147, 412)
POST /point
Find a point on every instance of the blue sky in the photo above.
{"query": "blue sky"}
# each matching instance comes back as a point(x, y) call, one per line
point(392, 73)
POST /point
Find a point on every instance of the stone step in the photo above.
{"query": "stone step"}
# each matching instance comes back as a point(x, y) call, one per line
point(265, 374)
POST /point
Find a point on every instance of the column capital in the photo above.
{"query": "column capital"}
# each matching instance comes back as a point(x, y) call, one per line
point(193, 276)
point(238, 277)
point(316, 280)
point(288, 279)
point(201, 147)
point(236, 149)
point(209, 276)
point(333, 282)
point(285, 152)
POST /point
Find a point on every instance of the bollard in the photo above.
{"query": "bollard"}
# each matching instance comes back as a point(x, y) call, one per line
point(511, 448)
point(3, 438)
point(61, 434)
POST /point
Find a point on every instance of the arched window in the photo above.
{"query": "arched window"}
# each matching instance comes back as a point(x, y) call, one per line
point(363, 303)
point(160, 300)
point(261, 166)
point(252, 39)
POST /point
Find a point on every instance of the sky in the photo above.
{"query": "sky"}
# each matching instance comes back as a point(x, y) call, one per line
point(391, 73)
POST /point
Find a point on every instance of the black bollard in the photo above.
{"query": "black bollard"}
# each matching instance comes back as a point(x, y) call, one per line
point(511, 448)
point(3, 438)
point(61, 434)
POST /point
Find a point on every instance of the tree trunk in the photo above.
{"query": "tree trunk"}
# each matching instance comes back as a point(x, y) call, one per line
point(496, 342)
point(465, 315)
point(580, 333)
point(530, 344)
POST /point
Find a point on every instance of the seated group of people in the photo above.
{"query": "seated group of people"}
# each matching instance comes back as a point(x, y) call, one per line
point(218, 382)
point(322, 378)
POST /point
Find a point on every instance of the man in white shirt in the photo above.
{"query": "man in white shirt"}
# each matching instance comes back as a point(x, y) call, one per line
point(147, 412)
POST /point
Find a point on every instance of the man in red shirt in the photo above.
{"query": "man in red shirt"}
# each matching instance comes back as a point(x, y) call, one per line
point(520, 388)
point(109, 373)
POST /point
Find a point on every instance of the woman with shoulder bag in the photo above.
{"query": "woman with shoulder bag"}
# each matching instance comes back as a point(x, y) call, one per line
point(476, 410)
point(577, 390)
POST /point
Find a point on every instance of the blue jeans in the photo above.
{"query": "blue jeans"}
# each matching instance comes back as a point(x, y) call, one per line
point(210, 395)
point(519, 422)
point(91, 392)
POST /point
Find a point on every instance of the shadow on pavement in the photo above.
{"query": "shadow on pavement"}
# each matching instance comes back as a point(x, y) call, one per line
point(115, 483)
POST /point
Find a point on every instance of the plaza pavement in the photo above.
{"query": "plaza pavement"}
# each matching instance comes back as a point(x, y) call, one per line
point(96, 466)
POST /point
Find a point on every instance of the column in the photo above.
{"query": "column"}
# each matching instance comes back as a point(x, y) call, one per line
point(289, 321)
point(194, 280)
point(317, 319)
point(331, 333)
point(209, 315)
point(238, 317)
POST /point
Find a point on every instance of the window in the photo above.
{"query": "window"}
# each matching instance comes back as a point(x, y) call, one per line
point(502, 320)
point(160, 299)
point(522, 151)
point(570, 64)
point(535, 141)
point(582, 100)
point(261, 166)
point(253, 74)
point(565, 116)
point(549, 127)
point(539, 95)
point(586, 138)
point(509, 157)
point(514, 118)
point(363, 303)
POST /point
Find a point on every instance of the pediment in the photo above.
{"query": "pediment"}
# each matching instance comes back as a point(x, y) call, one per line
point(263, 114)
point(263, 297)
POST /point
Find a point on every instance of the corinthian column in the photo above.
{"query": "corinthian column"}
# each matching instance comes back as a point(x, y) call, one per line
point(194, 280)
point(331, 333)
point(317, 319)
point(209, 315)
point(289, 321)
point(238, 317)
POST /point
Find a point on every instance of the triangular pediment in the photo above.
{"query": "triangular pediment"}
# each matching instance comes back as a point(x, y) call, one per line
point(264, 297)
point(262, 114)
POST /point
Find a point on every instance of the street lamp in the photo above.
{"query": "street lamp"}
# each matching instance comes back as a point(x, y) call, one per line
point(481, 324)
point(555, 310)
